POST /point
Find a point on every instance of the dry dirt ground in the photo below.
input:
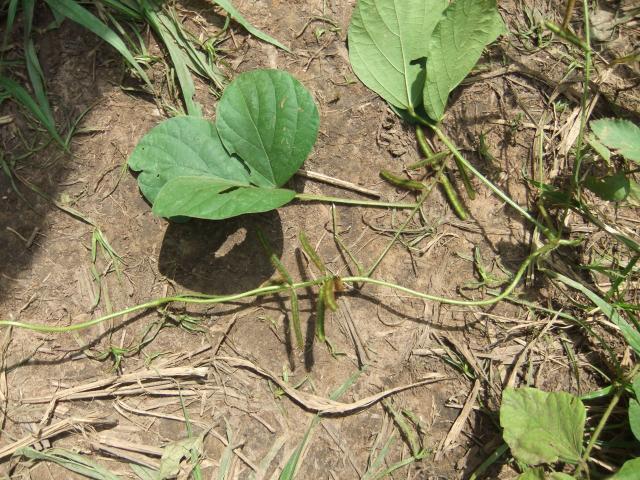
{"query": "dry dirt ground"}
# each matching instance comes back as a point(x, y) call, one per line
point(125, 413)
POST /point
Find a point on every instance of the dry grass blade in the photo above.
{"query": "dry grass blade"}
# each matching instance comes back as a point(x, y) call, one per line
point(320, 405)
point(458, 425)
point(109, 386)
point(66, 425)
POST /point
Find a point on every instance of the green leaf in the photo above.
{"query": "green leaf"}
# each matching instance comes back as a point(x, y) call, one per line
point(614, 188)
point(214, 199)
point(467, 27)
point(634, 194)
point(532, 474)
point(629, 470)
point(70, 461)
point(600, 149)
point(179, 147)
point(388, 41)
point(621, 135)
point(542, 427)
point(634, 409)
point(269, 120)
point(237, 16)
point(560, 476)
point(539, 474)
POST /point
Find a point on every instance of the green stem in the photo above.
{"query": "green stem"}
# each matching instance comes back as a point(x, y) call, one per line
point(421, 200)
point(273, 289)
point(449, 144)
point(304, 197)
point(577, 164)
point(619, 391)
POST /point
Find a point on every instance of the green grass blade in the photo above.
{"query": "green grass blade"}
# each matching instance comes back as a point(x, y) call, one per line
point(70, 461)
point(631, 335)
point(77, 13)
point(128, 9)
point(158, 23)
point(237, 16)
point(196, 60)
point(12, 9)
point(19, 94)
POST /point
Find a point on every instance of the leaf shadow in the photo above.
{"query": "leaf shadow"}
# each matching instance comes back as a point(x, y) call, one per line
point(220, 257)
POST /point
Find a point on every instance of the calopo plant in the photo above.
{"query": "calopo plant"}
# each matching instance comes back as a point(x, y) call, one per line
point(266, 125)
point(413, 53)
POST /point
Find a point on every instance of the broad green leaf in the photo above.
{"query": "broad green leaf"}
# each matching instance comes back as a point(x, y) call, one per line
point(630, 334)
point(539, 474)
point(388, 41)
point(183, 146)
point(69, 460)
point(77, 13)
point(629, 471)
point(466, 28)
point(614, 188)
point(634, 410)
point(532, 474)
point(235, 14)
point(620, 135)
point(560, 476)
point(214, 199)
point(634, 194)
point(600, 149)
point(542, 427)
point(270, 120)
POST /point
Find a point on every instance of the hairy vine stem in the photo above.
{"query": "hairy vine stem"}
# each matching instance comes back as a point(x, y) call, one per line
point(283, 288)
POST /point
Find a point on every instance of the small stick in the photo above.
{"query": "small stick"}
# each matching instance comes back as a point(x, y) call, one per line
point(321, 177)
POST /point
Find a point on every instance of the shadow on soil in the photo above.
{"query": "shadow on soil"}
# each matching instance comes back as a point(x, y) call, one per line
point(221, 257)
point(73, 87)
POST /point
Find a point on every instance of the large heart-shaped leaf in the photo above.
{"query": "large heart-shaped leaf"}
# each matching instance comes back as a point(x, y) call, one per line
point(621, 135)
point(179, 147)
point(388, 41)
point(456, 45)
point(269, 120)
point(542, 427)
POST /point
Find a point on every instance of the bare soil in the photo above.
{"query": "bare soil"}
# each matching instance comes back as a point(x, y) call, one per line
point(394, 339)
